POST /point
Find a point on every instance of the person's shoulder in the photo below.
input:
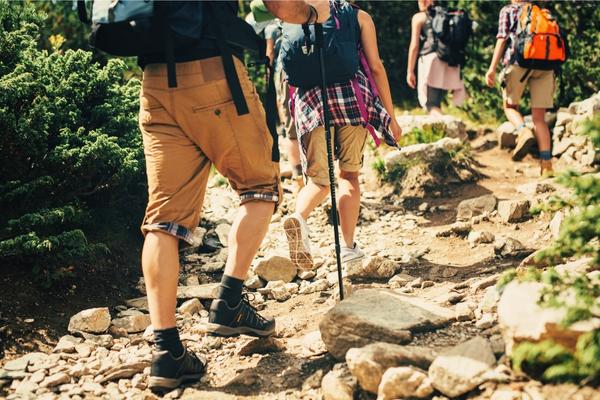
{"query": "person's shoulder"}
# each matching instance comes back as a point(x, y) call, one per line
point(419, 17)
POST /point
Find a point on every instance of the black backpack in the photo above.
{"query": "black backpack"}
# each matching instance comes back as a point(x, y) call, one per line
point(300, 58)
point(451, 30)
point(141, 27)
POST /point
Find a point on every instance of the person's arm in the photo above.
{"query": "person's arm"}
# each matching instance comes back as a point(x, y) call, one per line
point(413, 50)
point(298, 11)
point(490, 76)
point(271, 50)
point(368, 39)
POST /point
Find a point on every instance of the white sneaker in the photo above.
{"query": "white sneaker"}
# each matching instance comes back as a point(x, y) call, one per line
point(349, 254)
point(296, 231)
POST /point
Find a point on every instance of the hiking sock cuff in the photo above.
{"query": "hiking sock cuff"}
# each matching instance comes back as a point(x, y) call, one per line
point(297, 171)
point(168, 339)
point(230, 290)
point(545, 155)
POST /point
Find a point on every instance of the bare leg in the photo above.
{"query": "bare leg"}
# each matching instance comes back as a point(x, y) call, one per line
point(349, 205)
point(513, 115)
point(542, 133)
point(293, 151)
point(246, 234)
point(309, 197)
point(160, 263)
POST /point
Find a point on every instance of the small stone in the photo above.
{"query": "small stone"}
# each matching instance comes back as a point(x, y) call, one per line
point(21, 363)
point(192, 280)
point(462, 368)
point(93, 320)
point(106, 341)
point(222, 231)
point(460, 228)
point(55, 380)
point(254, 282)
point(486, 321)
point(190, 307)
point(400, 280)
point(133, 323)
point(207, 291)
point(306, 275)
point(463, 312)
point(534, 188)
point(426, 284)
point(117, 332)
point(371, 267)
point(66, 344)
point(261, 346)
point(404, 382)
point(83, 350)
point(476, 237)
point(339, 384)
point(38, 376)
point(556, 223)
point(490, 299)
point(507, 246)
point(424, 206)
point(470, 208)
point(276, 268)
point(513, 210)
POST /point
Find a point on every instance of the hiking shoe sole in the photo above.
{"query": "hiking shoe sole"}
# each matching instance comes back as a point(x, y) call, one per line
point(301, 258)
point(227, 331)
point(158, 384)
point(521, 151)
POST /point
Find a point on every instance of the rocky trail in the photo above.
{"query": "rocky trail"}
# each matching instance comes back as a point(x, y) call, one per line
point(421, 317)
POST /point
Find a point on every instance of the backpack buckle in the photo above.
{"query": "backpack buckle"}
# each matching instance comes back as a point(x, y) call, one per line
point(308, 49)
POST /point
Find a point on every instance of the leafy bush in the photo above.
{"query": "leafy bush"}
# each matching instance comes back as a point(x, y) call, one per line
point(429, 134)
point(71, 162)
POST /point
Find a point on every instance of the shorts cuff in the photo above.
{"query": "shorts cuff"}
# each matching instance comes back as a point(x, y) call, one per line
point(260, 196)
point(350, 167)
point(172, 229)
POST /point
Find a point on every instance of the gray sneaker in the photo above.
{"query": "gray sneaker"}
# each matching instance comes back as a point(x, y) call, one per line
point(296, 231)
point(351, 254)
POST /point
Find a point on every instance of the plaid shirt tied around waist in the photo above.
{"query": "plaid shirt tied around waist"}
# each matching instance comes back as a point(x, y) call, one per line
point(345, 109)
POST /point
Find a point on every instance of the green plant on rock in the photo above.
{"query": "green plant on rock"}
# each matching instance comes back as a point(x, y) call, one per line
point(427, 134)
point(71, 159)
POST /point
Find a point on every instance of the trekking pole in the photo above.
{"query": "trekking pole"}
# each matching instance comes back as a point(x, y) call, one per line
point(326, 122)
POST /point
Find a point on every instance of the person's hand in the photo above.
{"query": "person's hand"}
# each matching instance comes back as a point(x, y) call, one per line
point(322, 7)
point(490, 77)
point(411, 79)
point(396, 130)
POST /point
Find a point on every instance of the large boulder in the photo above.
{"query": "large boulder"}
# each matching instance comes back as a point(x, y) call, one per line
point(276, 268)
point(453, 127)
point(462, 368)
point(521, 318)
point(470, 208)
point(369, 363)
point(378, 315)
point(92, 320)
point(425, 152)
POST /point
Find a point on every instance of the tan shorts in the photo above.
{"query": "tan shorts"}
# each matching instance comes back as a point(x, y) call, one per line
point(351, 141)
point(541, 86)
point(193, 126)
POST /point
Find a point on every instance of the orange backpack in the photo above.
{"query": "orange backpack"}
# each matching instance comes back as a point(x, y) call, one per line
point(539, 43)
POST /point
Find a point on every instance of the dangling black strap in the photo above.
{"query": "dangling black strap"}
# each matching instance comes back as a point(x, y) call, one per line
point(82, 12)
point(233, 81)
point(272, 115)
point(525, 75)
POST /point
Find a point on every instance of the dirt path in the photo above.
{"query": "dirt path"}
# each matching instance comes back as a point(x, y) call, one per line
point(292, 366)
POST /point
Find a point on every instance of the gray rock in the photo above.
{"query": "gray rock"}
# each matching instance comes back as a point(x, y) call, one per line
point(535, 188)
point(462, 368)
point(426, 152)
point(459, 228)
point(66, 344)
point(489, 302)
point(316, 286)
point(141, 303)
point(133, 323)
point(507, 246)
point(452, 126)
point(55, 380)
point(404, 382)
point(400, 280)
point(513, 210)
point(93, 320)
point(477, 237)
point(339, 384)
point(371, 267)
point(190, 307)
point(276, 268)
point(254, 282)
point(222, 231)
point(21, 363)
point(470, 208)
point(463, 312)
point(507, 137)
point(207, 291)
point(261, 346)
point(373, 315)
point(369, 363)
point(486, 321)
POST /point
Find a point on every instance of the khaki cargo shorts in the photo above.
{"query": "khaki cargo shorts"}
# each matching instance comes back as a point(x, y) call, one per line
point(351, 141)
point(541, 86)
point(188, 129)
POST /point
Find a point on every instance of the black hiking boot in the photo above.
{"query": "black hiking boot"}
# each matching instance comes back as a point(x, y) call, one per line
point(242, 319)
point(168, 372)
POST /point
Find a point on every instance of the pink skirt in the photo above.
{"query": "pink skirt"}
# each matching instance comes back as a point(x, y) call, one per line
point(438, 74)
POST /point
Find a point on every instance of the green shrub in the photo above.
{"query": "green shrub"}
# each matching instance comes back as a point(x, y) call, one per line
point(71, 159)
point(428, 134)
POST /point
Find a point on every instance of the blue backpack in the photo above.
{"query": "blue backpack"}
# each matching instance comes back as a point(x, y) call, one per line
point(300, 58)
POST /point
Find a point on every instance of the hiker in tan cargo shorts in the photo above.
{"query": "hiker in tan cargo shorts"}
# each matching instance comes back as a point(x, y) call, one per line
point(211, 116)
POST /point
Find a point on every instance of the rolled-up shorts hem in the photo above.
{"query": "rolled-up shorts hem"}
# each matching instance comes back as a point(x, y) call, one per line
point(173, 229)
point(260, 196)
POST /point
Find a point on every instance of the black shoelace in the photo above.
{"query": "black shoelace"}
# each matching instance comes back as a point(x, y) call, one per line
point(250, 314)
